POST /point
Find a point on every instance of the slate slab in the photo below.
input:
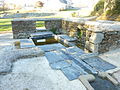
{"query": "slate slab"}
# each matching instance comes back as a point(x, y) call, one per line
point(59, 65)
point(71, 73)
point(81, 63)
point(41, 35)
point(78, 68)
point(51, 47)
point(74, 51)
point(99, 64)
point(26, 43)
point(53, 57)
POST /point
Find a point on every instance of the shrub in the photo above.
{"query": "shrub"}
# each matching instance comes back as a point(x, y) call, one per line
point(99, 8)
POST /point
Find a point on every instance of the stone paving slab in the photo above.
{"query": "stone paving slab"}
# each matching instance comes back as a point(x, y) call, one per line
point(51, 47)
point(76, 66)
point(66, 37)
point(59, 65)
point(53, 57)
point(26, 43)
point(71, 73)
point(79, 68)
point(99, 64)
point(61, 61)
point(80, 63)
point(74, 51)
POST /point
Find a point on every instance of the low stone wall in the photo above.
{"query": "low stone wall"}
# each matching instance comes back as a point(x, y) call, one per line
point(111, 41)
point(22, 28)
point(93, 36)
point(70, 28)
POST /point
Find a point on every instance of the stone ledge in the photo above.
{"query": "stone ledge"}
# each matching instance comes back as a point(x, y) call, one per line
point(102, 27)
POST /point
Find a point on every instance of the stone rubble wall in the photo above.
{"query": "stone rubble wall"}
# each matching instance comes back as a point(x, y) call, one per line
point(96, 36)
point(54, 24)
point(93, 36)
point(22, 29)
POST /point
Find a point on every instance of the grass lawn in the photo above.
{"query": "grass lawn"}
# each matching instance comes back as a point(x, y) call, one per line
point(5, 25)
point(70, 10)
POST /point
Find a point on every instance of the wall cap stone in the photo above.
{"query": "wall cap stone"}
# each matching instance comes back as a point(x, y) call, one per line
point(104, 27)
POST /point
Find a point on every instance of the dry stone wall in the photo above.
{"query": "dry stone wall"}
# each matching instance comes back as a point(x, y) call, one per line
point(22, 28)
point(54, 25)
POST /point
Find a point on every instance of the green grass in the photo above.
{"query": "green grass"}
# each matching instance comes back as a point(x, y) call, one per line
point(40, 24)
point(5, 25)
point(70, 10)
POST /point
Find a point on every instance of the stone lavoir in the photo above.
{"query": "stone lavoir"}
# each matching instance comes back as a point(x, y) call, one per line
point(92, 36)
point(63, 54)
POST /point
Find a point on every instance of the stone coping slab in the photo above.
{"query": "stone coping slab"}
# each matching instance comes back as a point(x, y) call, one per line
point(42, 35)
point(102, 27)
point(38, 19)
point(52, 19)
point(65, 37)
point(108, 21)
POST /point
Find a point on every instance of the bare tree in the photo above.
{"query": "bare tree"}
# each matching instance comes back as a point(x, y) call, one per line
point(2, 5)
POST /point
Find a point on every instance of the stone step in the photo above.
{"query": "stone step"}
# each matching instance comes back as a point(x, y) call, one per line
point(26, 43)
point(42, 30)
point(51, 47)
point(65, 38)
point(41, 35)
